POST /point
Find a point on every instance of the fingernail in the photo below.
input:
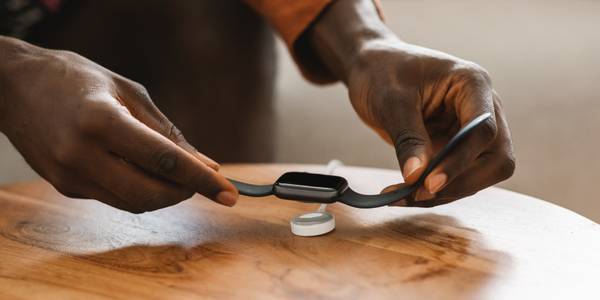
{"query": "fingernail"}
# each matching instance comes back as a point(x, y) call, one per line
point(423, 194)
point(436, 182)
point(227, 198)
point(411, 165)
point(215, 166)
point(208, 161)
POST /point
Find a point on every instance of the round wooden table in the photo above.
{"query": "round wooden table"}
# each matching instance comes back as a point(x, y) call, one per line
point(495, 245)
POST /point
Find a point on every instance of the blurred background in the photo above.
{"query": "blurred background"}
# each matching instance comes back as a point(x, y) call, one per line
point(543, 57)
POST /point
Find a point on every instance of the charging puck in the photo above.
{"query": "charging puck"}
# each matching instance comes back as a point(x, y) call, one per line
point(313, 223)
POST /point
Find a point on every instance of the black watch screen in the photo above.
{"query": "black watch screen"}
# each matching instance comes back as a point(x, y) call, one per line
point(309, 186)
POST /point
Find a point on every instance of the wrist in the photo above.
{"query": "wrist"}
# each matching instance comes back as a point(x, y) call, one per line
point(344, 31)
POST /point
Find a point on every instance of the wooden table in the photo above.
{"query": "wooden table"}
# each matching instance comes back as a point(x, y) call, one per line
point(495, 245)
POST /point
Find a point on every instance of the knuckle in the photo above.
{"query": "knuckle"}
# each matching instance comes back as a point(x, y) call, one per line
point(489, 129)
point(174, 132)
point(483, 74)
point(67, 55)
point(473, 73)
point(507, 166)
point(405, 140)
point(171, 131)
point(96, 118)
point(140, 91)
point(164, 162)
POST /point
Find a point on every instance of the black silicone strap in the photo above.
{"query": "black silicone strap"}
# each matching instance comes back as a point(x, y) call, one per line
point(354, 199)
point(253, 190)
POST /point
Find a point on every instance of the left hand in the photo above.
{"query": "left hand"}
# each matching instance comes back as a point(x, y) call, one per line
point(417, 99)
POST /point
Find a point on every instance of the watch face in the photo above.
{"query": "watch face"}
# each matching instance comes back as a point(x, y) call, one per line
point(312, 180)
point(307, 186)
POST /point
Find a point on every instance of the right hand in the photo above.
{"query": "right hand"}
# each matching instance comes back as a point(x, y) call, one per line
point(94, 134)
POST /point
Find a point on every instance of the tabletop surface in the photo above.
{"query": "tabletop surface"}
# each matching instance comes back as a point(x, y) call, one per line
point(494, 245)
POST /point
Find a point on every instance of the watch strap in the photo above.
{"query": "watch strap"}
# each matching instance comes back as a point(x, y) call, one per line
point(358, 200)
point(253, 190)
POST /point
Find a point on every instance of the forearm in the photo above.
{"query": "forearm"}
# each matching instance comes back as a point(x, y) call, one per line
point(11, 50)
point(339, 35)
point(5, 50)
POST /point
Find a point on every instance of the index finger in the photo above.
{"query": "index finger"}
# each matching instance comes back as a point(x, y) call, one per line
point(158, 155)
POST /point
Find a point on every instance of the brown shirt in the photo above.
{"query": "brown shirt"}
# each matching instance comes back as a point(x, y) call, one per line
point(290, 18)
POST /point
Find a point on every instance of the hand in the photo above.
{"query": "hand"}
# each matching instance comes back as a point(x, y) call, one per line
point(94, 134)
point(417, 99)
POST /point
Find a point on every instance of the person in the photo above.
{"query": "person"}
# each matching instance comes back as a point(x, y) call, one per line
point(93, 132)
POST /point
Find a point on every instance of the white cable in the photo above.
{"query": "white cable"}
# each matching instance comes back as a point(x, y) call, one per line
point(331, 166)
point(322, 207)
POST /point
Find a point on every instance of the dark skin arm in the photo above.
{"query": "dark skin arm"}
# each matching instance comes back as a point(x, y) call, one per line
point(417, 99)
point(95, 134)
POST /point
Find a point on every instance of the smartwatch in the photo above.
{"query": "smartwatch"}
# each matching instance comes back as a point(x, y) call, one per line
point(320, 188)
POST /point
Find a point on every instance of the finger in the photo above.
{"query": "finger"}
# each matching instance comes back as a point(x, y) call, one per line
point(138, 190)
point(408, 133)
point(149, 150)
point(108, 198)
point(88, 190)
point(490, 168)
point(472, 101)
point(137, 187)
point(138, 101)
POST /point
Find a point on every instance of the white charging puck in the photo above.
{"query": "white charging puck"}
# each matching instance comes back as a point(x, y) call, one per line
point(313, 223)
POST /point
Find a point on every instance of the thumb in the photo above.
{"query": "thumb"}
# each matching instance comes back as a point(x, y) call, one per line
point(136, 98)
point(411, 140)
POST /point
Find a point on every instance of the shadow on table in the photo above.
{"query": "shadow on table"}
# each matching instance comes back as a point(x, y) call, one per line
point(415, 254)
point(439, 240)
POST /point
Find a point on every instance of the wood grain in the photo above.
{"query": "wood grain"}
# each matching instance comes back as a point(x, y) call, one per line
point(494, 245)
